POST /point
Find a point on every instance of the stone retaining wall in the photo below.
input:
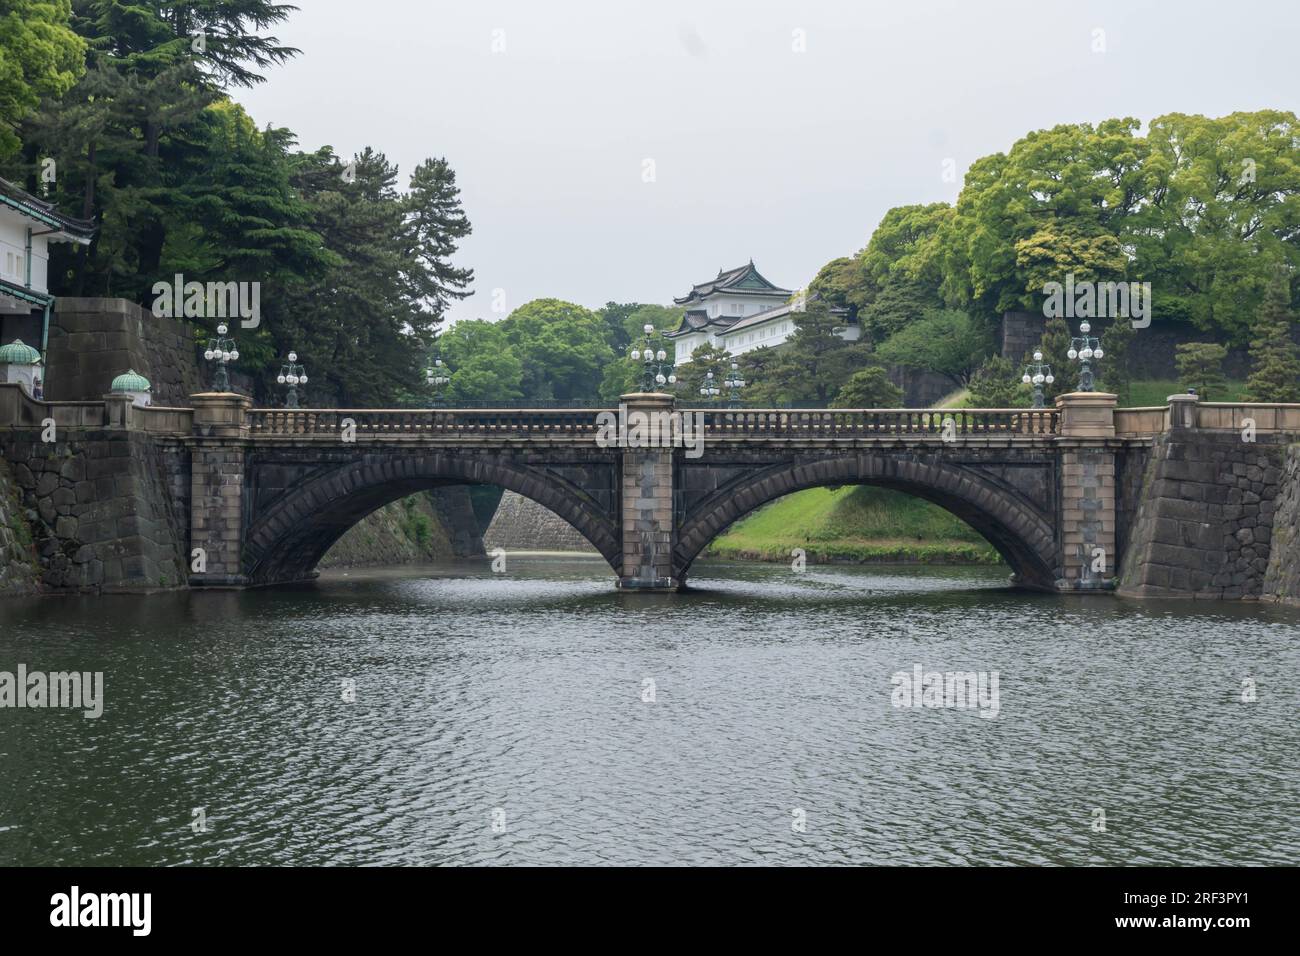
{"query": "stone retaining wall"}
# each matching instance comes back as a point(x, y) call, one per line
point(521, 524)
point(94, 340)
point(19, 570)
point(1204, 525)
point(1282, 578)
point(103, 507)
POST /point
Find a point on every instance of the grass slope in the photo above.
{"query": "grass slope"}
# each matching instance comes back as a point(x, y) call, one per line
point(854, 524)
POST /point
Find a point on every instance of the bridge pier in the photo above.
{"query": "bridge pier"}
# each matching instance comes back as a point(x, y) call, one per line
point(217, 464)
point(1087, 481)
point(649, 532)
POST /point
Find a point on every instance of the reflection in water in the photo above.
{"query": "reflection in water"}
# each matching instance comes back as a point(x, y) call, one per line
point(522, 693)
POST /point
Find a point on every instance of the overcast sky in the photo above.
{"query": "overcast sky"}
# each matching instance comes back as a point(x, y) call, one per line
point(758, 150)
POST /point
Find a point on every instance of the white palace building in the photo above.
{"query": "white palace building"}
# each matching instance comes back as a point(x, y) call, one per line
point(739, 311)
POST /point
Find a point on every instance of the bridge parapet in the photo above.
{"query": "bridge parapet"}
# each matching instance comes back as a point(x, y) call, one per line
point(877, 422)
point(327, 424)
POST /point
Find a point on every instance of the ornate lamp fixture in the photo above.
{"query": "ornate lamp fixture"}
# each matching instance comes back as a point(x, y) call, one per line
point(438, 376)
point(1085, 348)
point(221, 350)
point(1037, 374)
point(293, 375)
point(654, 370)
point(734, 383)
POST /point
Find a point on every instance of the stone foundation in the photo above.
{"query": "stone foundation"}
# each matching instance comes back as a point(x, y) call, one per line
point(1282, 576)
point(1204, 526)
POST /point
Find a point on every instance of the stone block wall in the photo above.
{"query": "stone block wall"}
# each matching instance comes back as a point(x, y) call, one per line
point(1088, 551)
point(19, 569)
point(94, 340)
point(521, 524)
point(1204, 527)
point(1282, 576)
point(648, 519)
point(100, 507)
point(217, 511)
point(1150, 357)
point(455, 511)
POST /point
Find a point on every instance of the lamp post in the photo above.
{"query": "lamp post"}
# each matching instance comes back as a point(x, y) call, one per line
point(439, 377)
point(293, 375)
point(709, 391)
point(1036, 374)
point(734, 383)
point(654, 370)
point(1085, 348)
point(221, 350)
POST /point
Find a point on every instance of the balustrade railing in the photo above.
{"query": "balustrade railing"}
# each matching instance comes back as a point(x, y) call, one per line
point(497, 423)
point(878, 423)
point(773, 423)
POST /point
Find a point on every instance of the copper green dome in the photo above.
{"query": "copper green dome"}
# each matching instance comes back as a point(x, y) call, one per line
point(19, 353)
point(130, 381)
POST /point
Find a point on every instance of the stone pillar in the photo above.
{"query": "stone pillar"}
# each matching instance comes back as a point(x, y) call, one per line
point(1182, 411)
point(1087, 484)
point(649, 532)
point(217, 454)
point(117, 410)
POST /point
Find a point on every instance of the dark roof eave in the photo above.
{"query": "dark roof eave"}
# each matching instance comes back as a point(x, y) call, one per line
point(24, 293)
point(76, 230)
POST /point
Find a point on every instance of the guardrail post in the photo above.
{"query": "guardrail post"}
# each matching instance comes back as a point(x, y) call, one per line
point(1182, 411)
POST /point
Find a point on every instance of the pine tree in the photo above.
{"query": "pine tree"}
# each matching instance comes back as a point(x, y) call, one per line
point(997, 385)
point(435, 223)
point(1115, 374)
point(1273, 353)
point(869, 388)
point(1200, 366)
point(1055, 346)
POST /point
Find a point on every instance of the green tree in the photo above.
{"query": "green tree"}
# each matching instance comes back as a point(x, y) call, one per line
point(434, 223)
point(692, 375)
point(1200, 366)
point(1046, 205)
point(131, 135)
point(1115, 372)
point(1055, 346)
point(1224, 200)
point(1275, 360)
point(484, 367)
point(946, 341)
point(563, 348)
point(997, 384)
point(869, 388)
point(40, 56)
point(814, 362)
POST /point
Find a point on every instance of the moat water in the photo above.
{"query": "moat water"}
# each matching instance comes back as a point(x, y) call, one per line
point(456, 716)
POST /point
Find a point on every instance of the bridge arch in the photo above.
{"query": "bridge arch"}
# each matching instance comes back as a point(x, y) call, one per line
point(285, 542)
point(1022, 533)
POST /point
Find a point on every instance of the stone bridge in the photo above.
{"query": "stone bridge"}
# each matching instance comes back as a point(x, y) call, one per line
point(262, 494)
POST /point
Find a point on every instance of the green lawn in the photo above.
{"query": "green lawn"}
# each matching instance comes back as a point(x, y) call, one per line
point(854, 524)
point(1157, 392)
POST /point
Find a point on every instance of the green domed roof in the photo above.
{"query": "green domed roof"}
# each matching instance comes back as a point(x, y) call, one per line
point(18, 353)
point(130, 381)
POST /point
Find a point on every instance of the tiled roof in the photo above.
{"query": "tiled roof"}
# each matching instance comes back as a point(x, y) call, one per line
point(745, 279)
point(23, 202)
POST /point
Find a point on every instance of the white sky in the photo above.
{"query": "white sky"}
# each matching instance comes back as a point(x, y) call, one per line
point(788, 158)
